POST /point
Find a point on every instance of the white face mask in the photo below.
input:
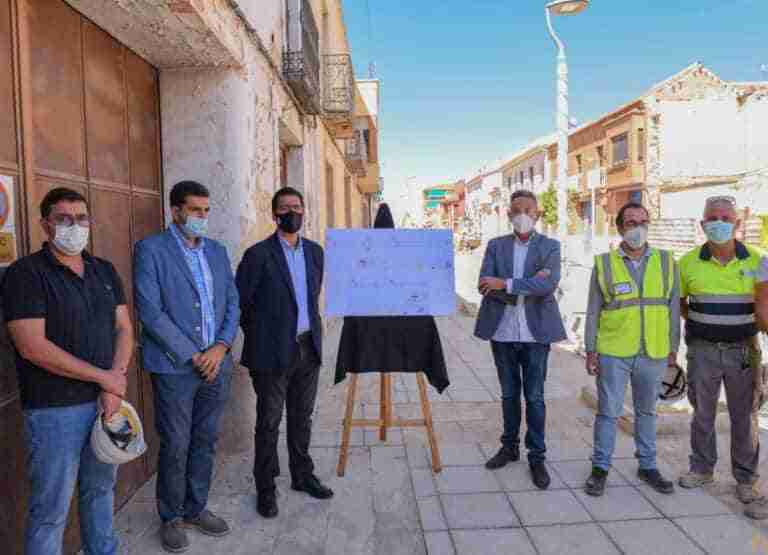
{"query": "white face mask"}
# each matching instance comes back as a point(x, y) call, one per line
point(523, 224)
point(636, 237)
point(71, 239)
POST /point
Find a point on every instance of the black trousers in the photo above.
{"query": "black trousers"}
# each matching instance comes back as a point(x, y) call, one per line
point(296, 389)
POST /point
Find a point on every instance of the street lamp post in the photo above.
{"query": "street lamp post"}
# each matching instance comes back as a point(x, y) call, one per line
point(562, 7)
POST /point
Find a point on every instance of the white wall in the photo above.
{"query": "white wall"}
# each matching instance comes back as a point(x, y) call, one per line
point(712, 137)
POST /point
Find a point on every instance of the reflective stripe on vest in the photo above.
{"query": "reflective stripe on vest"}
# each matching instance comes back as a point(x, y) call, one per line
point(721, 319)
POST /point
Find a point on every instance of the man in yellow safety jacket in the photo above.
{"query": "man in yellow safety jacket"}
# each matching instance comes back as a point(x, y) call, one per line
point(632, 335)
point(724, 291)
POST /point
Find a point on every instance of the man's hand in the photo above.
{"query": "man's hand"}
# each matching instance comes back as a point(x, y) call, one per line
point(488, 284)
point(114, 381)
point(209, 362)
point(543, 274)
point(672, 359)
point(110, 404)
point(593, 364)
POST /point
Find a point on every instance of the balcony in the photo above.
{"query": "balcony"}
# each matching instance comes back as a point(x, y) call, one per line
point(339, 94)
point(357, 153)
point(301, 61)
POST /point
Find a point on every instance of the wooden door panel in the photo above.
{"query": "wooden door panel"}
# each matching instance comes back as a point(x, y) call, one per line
point(8, 146)
point(57, 86)
point(147, 216)
point(13, 479)
point(143, 122)
point(105, 106)
point(111, 231)
point(147, 219)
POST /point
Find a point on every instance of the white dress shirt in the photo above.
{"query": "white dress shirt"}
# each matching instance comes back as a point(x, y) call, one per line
point(513, 327)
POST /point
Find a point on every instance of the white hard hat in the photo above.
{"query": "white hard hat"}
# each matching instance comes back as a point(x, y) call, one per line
point(120, 439)
point(673, 384)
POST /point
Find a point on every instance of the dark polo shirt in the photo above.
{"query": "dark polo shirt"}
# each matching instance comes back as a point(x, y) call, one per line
point(79, 318)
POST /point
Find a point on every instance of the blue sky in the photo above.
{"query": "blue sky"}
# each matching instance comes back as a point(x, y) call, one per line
point(466, 82)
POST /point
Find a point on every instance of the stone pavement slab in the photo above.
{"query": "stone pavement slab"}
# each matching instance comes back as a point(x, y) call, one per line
point(493, 542)
point(390, 503)
point(650, 537)
point(619, 503)
point(539, 508)
point(479, 510)
point(574, 539)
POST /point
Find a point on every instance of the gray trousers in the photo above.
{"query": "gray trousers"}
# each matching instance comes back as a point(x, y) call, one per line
point(710, 365)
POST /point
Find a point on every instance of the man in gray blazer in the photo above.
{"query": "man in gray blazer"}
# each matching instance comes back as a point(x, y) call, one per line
point(520, 316)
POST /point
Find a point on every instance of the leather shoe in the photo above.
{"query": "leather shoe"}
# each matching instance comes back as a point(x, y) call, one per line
point(267, 504)
point(505, 455)
point(312, 486)
point(540, 475)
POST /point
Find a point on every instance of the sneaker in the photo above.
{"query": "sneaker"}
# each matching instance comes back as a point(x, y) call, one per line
point(595, 485)
point(654, 479)
point(758, 509)
point(174, 536)
point(504, 456)
point(209, 524)
point(693, 480)
point(747, 493)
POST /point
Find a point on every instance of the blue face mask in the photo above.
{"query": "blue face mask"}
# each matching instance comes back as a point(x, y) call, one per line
point(195, 227)
point(719, 232)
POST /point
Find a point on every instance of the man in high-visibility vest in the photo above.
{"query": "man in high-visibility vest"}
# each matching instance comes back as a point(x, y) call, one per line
point(632, 335)
point(724, 291)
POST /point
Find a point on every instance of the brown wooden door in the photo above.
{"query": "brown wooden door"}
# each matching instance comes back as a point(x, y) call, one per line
point(91, 122)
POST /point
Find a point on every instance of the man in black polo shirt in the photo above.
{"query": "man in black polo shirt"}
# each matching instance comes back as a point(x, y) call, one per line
point(69, 323)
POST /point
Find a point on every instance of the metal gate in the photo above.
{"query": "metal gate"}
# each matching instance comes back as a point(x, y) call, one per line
point(77, 109)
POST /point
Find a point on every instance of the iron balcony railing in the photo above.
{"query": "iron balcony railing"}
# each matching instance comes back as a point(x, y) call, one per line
point(357, 153)
point(301, 60)
point(338, 86)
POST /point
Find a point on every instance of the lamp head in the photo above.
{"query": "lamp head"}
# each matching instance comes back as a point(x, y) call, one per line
point(567, 7)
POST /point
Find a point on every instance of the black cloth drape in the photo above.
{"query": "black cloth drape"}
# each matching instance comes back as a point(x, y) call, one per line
point(392, 344)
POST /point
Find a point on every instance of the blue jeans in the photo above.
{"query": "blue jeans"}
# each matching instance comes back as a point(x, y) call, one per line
point(645, 375)
point(59, 455)
point(522, 367)
point(187, 415)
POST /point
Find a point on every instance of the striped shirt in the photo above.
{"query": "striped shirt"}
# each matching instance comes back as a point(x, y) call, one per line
point(201, 273)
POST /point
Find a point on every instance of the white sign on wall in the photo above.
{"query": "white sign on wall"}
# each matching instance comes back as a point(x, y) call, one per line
point(389, 272)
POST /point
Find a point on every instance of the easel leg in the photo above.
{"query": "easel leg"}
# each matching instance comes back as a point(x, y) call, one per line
point(385, 407)
point(426, 410)
point(347, 429)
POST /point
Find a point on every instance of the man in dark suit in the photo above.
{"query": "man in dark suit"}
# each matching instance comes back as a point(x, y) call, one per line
point(279, 280)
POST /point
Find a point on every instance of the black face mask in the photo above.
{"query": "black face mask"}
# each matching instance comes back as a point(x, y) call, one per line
point(290, 222)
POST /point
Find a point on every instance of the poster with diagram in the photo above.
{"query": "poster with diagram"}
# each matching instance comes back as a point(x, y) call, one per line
point(389, 272)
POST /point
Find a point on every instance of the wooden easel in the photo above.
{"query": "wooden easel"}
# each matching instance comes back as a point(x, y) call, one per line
point(385, 419)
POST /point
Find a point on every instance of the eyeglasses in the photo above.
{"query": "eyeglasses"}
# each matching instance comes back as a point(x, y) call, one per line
point(632, 225)
point(83, 220)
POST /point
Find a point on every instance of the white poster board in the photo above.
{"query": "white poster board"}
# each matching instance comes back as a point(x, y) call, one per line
point(389, 272)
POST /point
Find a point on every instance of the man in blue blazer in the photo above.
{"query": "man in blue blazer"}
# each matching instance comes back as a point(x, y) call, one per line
point(520, 316)
point(188, 306)
point(279, 280)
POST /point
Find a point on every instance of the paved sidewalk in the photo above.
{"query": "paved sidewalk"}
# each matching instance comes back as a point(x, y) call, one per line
point(390, 503)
